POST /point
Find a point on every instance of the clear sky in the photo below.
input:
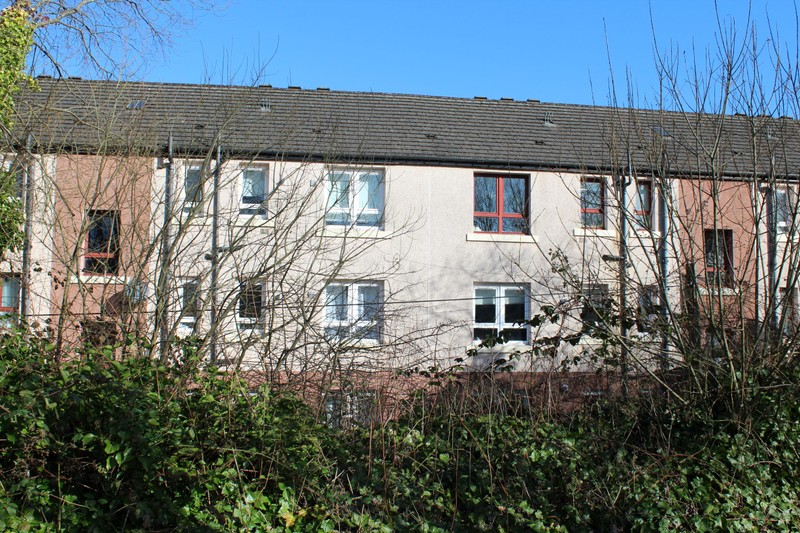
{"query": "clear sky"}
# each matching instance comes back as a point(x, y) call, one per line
point(556, 51)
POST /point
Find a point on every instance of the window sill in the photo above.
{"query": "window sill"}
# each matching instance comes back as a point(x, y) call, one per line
point(502, 237)
point(99, 279)
point(646, 233)
point(787, 237)
point(355, 232)
point(714, 291)
point(259, 221)
point(508, 347)
point(594, 232)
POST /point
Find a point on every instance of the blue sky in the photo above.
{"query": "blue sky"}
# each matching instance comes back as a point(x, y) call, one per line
point(556, 51)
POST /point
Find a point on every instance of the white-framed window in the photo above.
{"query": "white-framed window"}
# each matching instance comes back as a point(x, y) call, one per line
point(643, 204)
point(347, 409)
point(250, 307)
point(785, 208)
point(254, 190)
point(354, 311)
point(189, 290)
point(355, 198)
point(193, 184)
point(501, 309)
point(9, 300)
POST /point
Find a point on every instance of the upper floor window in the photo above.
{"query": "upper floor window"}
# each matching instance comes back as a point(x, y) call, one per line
point(189, 299)
point(9, 300)
point(354, 311)
point(785, 207)
point(643, 203)
point(501, 204)
point(254, 191)
point(718, 246)
point(355, 198)
point(101, 253)
point(193, 185)
point(501, 310)
point(593, 199)
point(251, 304)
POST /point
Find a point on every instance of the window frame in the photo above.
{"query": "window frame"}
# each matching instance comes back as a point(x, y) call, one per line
point(253, 208)
point(500, 324)
point(643, 214)
point(256, 288)
point(188, 320)
point(718, 275)
point(784, 226)
point(586, 210)
point(354, 214)
point(112, 247)
point(352, 322)
point(200, 168)
point(9, 314)
point(500, 214)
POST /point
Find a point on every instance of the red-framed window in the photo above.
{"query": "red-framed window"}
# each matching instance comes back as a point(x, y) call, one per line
point(101, 248)
point(593, 201)
point(643, 203)
point(719, 257)
point(502, 204)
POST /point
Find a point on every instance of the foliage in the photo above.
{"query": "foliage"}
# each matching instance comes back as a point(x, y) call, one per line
point(103, 445)
point(16, 39)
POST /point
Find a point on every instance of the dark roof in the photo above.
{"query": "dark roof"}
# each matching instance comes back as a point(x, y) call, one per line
point(292, 123)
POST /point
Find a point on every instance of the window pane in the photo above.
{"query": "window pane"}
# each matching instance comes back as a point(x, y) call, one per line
point(480, 334)
point(592, 220)
point(514, 306)
point(102, 232)
point(515, 225)
point(189, 306)
point(516, 334)
point(250, 300)
point(369, 302)
point(643, 198)
point(485, 306)
point(485, 223)
point(783, 209)
point(486, 195)
point(253, 186)
point(514, 196)
point(591, 195)
point(336, 303)
point(10, 293)
point(339, 190)
point(370, 193)
point(194, 189)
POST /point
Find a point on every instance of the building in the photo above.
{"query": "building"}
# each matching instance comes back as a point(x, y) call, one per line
point(316, 232)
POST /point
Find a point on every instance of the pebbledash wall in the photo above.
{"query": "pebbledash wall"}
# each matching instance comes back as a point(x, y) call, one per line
point(320, 231)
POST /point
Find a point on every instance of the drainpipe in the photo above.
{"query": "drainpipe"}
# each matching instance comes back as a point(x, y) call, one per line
point(26, 243)
point(214, 246)
point(624, 181)
point(772, 237)
point(663, 225)
point(162, 299)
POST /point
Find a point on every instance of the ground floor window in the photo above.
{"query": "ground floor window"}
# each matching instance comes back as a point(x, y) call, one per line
point(501, 311)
